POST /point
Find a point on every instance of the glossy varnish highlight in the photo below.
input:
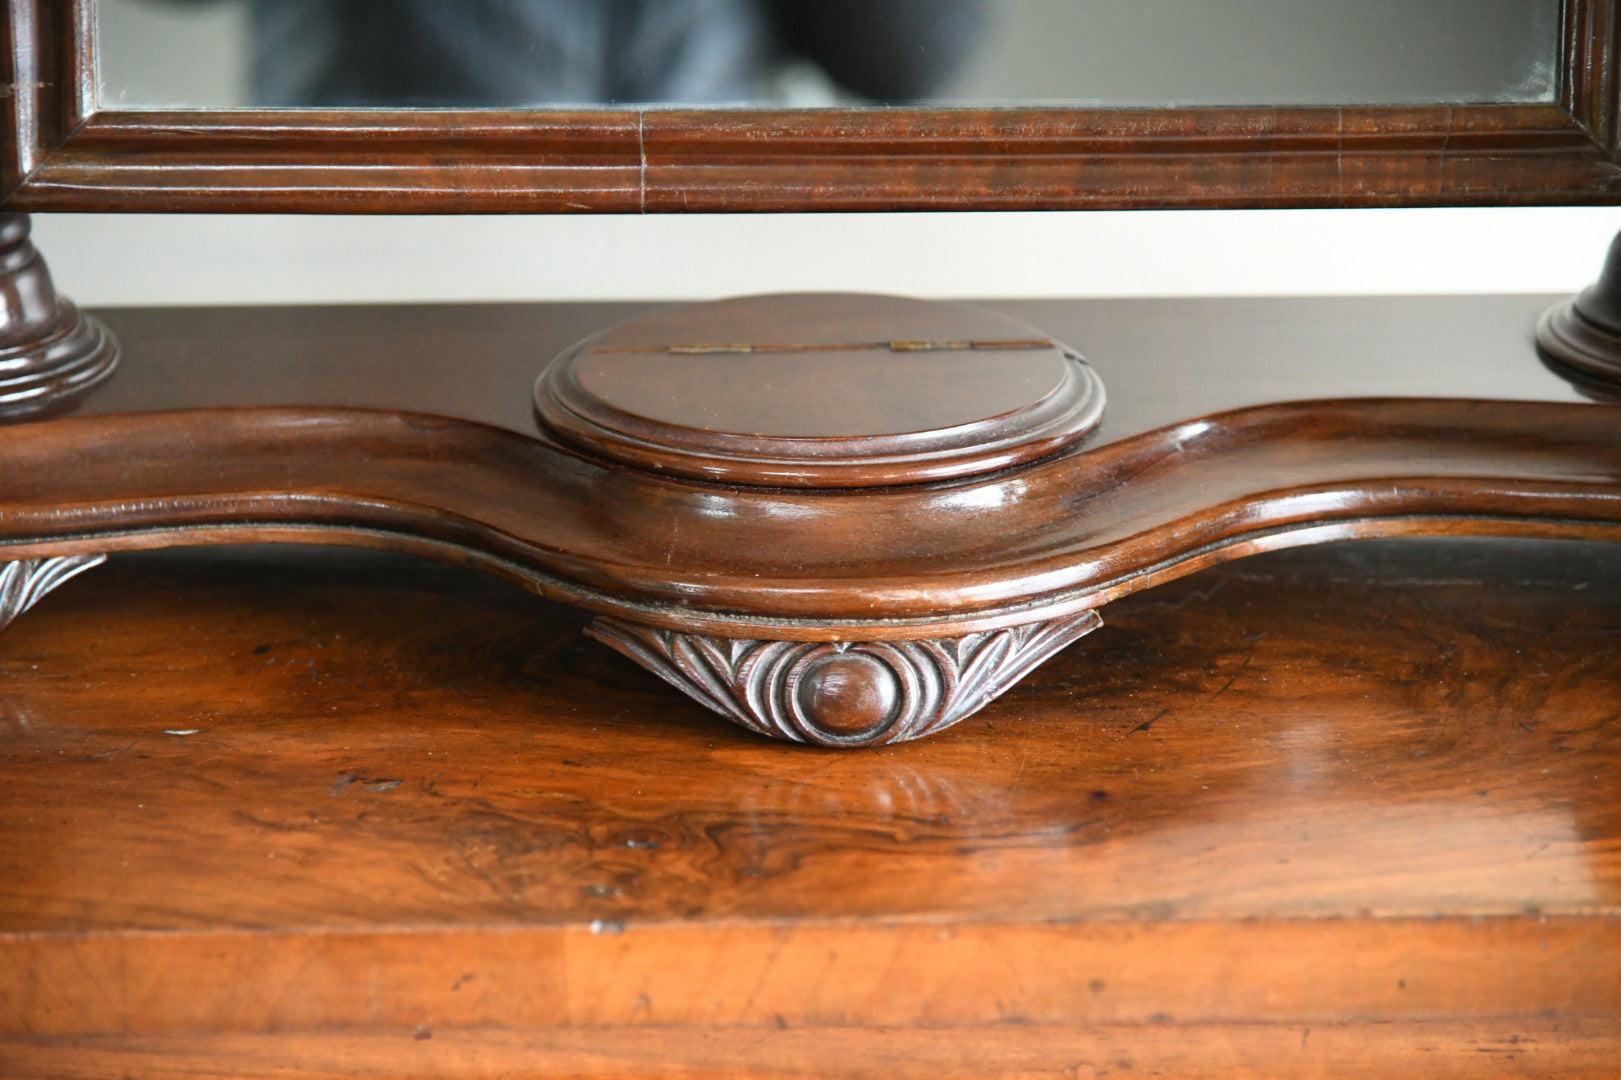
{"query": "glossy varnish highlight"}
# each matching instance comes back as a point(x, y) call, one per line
point(819, 391)
point(393, 447)
point(1363, 784)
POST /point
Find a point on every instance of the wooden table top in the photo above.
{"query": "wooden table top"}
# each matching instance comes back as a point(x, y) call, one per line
point(1162, 361)
point(298, 812)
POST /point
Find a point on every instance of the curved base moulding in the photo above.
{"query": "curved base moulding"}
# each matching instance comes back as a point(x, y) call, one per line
point(844, 693)
point(837, 618)
point(23, 582)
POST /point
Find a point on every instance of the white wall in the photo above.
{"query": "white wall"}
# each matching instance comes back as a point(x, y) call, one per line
point(175, 259)
point(197, 54)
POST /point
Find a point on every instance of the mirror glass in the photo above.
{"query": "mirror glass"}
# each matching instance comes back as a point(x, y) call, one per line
point(213, 54)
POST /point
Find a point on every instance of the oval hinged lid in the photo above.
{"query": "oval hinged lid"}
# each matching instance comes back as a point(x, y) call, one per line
point(820, 390)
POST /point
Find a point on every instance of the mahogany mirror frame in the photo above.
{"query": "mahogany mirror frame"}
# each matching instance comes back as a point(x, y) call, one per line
point(64, 153)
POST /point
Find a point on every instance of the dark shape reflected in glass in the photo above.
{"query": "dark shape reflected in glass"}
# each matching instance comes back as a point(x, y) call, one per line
point(490, 53)
point(788, 53)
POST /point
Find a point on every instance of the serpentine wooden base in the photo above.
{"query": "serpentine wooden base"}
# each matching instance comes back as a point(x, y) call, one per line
point(814, 606)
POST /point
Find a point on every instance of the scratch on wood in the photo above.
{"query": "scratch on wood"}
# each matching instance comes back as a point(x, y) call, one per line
point(1146, 724)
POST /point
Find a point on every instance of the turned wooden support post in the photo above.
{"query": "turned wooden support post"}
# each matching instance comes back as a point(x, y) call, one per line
point(1580, 338)
point(51, 353)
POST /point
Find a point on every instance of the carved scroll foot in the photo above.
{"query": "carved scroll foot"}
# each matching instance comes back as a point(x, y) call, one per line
point(22, 583)
point(844, 693)
point(50, 351)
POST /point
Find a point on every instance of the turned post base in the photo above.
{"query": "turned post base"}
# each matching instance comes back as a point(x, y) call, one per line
point(1580, 338)
point(51, 353)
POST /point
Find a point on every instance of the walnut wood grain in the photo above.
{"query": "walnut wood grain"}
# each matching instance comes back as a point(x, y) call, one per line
point(1344, 810)
point(64, 153)
point(346, 162)
point(1463, 1050)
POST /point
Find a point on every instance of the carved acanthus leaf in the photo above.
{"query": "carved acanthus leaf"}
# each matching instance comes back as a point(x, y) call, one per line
point(23, 582)
point(844, 693)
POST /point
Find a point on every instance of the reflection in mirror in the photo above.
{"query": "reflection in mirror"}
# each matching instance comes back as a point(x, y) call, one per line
point(797, 53)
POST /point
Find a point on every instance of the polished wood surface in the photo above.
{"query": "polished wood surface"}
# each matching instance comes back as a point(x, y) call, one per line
point(903, 562)
point(839, 615)
point(51, 354)
point(820, 390)
point(1163, 361)
point(1329, 812)
point(1436, 1050)
point(65, 153)
point(908, 562)
point(843, 691)
point(881, 160)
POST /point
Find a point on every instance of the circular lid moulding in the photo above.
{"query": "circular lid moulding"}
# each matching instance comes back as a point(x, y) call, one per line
point(815, 390)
